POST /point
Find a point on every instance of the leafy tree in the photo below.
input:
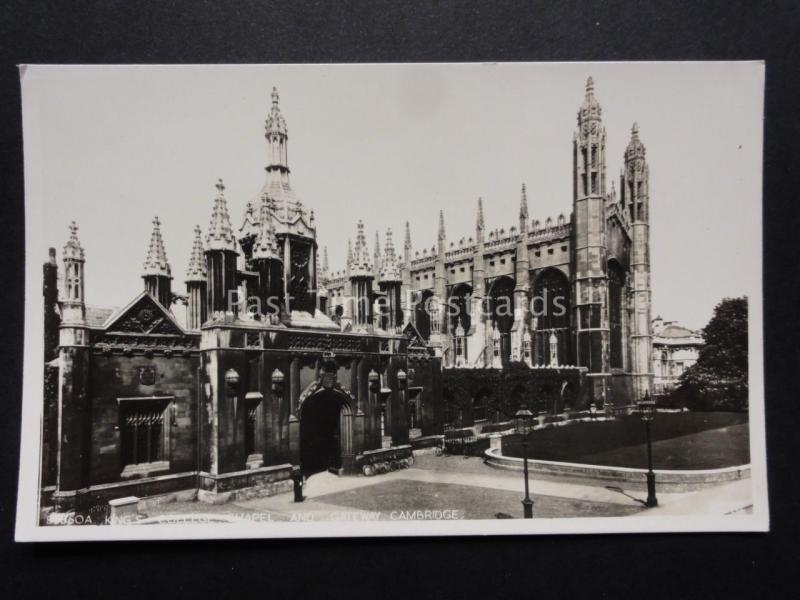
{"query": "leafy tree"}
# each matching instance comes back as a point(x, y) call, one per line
point(718, 380)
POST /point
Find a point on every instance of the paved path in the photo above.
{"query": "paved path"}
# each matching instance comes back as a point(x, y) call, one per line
point(732, 498)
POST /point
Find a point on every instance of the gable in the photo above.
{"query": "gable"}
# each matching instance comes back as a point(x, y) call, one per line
point(145, 316)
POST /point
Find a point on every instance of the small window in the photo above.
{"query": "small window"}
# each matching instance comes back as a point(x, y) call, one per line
point(537, 253)
point(491, 263)
point(142, 430)
point(502, 261)
point(549, 250)
point(563, 248)
point(462, 269)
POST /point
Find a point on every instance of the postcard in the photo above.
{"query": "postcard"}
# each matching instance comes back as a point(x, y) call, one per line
point(392, 300)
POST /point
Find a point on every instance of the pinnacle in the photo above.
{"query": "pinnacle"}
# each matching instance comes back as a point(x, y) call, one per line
point(73, 248)
point(266, 246)
point(390, 269)
point(441, 225)
point(156, 262)
point(481, 224)
point(220, 233)
point(197, 262)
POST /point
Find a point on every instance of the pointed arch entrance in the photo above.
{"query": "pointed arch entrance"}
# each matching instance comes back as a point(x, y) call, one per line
point(326, 431)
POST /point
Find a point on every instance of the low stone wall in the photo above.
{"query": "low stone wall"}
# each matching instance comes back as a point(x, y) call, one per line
point(243, 485)
point(667, 480)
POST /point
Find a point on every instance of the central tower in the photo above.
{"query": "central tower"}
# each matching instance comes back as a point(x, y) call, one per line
point(295, 234)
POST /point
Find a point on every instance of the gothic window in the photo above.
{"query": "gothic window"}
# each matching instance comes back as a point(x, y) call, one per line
point(142, 431)
point(550, 307)
point(616, 284)
point(422, 316)
point(594, 157)
point(459, 307)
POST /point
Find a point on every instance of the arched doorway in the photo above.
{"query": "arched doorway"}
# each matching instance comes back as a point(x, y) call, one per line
point(325, 432)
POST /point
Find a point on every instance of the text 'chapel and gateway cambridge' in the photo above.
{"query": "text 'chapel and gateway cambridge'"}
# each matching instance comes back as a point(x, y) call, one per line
point(340, 370)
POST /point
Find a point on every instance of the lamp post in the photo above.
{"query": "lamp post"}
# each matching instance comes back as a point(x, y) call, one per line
point(402, 383)
point(647, 409)
point(523, 421)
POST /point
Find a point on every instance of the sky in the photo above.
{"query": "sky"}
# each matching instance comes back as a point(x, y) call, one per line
point(112, 147)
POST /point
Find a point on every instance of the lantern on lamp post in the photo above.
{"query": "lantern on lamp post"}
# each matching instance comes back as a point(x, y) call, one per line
point(523, 420)
point(647, 410)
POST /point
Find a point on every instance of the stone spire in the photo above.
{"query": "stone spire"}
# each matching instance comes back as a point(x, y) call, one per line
point(325, 265)
point(523, 210)
point(360, 264)
point(156, 262)
point(275, 123)
point(390, 268)
point(266, 246)
point(197, 261)
point(376, 255)
point(441, 234)
point(349, 252)
point(481, 224)
point(407, 244)
point(635, 149)
point(220, 234)
point(73, 249)
point(590, 111)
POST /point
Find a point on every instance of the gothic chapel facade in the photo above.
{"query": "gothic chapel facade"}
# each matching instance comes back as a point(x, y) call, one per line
point(336, 370)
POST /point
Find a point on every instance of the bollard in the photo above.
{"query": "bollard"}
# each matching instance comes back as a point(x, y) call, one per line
point(297, 480)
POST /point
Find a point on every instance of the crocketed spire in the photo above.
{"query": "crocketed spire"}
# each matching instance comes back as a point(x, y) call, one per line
point(407, 245)
point(480, 223)
point(360, 264)
point(197, 261)
point(275, 122)
point(441, 225)
point(266, 245)
point(635, 147)
point(156, 262)
point(590, 109)
point(390, 269)
point(523, 204)
point(73, 249)
point(220, 234)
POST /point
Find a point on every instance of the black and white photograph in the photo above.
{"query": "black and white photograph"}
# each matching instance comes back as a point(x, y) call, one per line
point(269, 301)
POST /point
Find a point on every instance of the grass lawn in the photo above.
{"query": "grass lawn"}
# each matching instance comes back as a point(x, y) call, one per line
point(473, 502)
point(692, 440)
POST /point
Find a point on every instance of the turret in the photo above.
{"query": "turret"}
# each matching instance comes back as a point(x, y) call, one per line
point(522, 278)
point(221, 253)
point(438, 322)
point(478, 343)
point(157, 274)
point(196, 284)
point(588, 241)
point(73, 305)
point(635, 199)
point(361, 278)
point(390, 282)
point(406, 303)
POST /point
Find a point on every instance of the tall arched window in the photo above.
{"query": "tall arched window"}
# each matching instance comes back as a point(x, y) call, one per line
point(616, 295)
point(422, 318)
point(550, 306)
point(501, 305)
